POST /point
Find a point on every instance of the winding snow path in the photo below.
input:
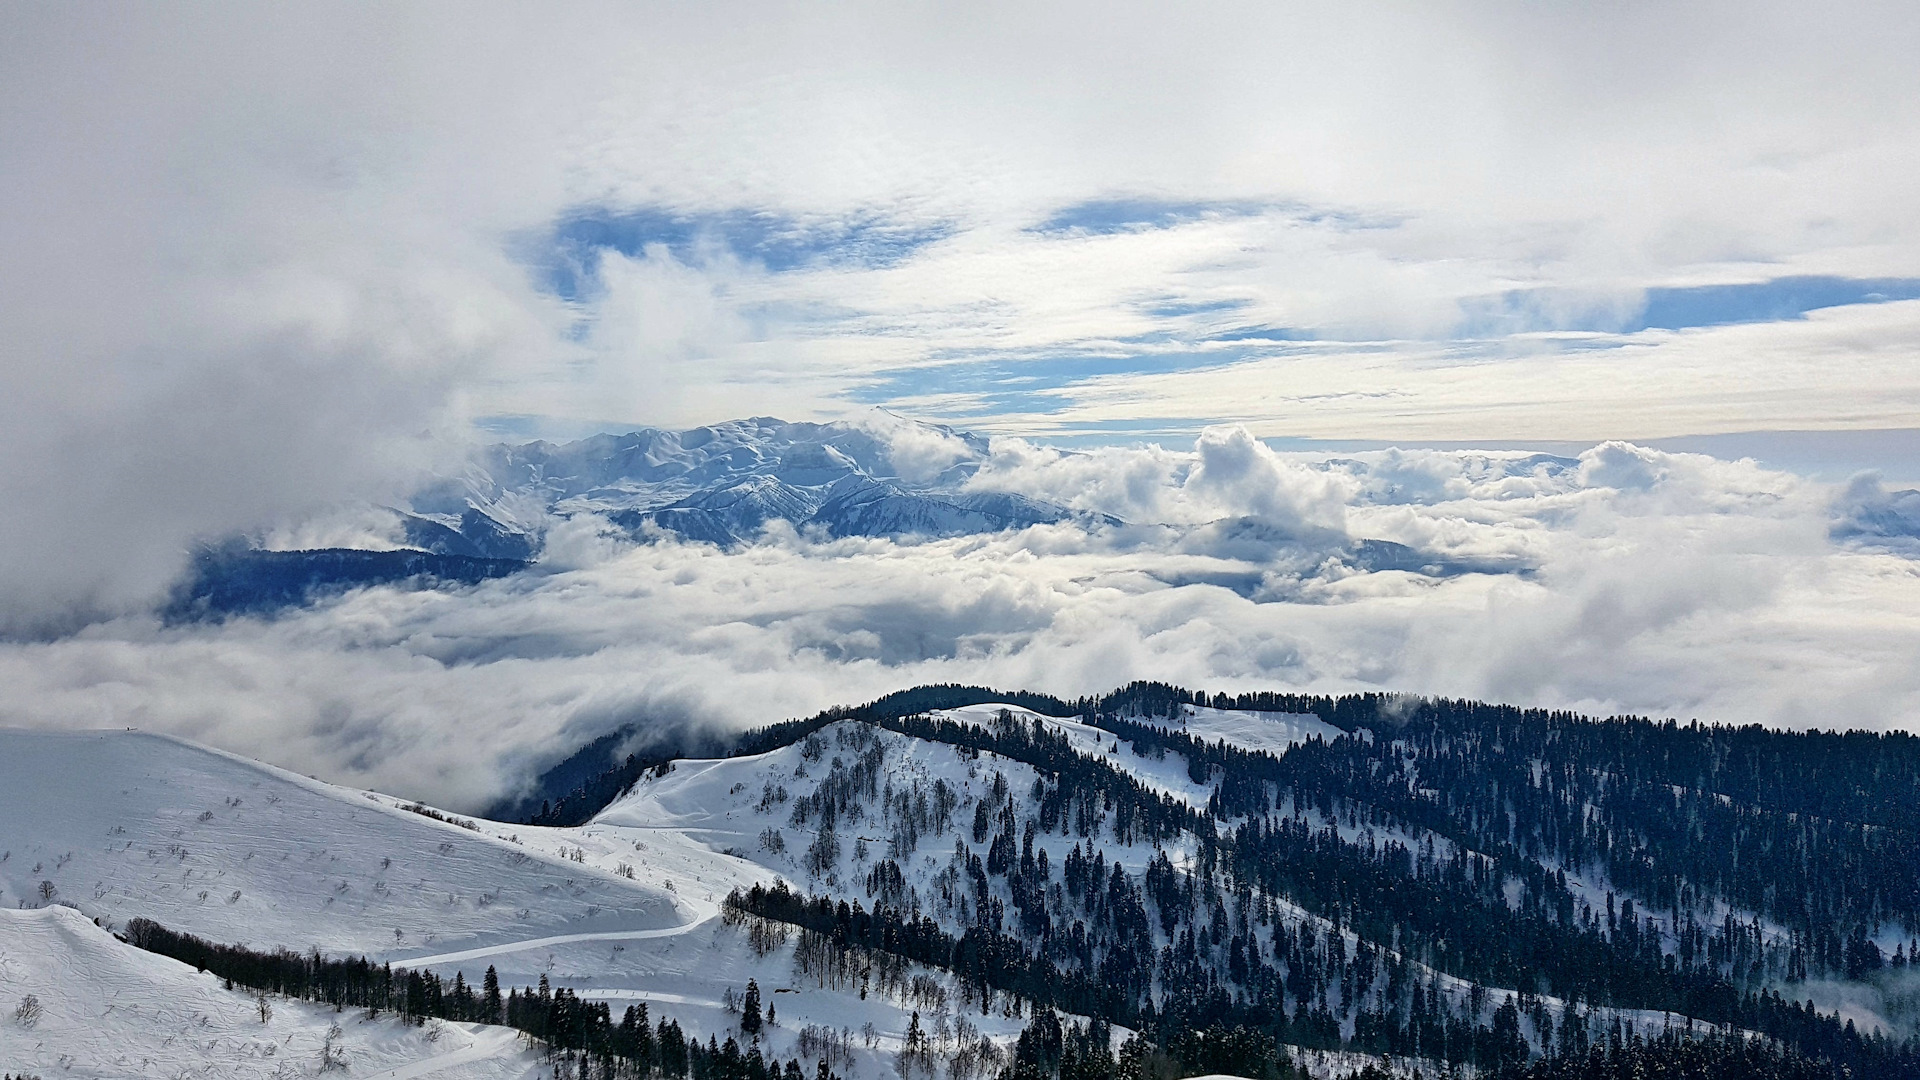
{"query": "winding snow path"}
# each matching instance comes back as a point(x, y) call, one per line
point(711, 911)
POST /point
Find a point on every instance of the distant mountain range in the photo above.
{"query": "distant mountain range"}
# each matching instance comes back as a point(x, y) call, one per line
point(722, 485)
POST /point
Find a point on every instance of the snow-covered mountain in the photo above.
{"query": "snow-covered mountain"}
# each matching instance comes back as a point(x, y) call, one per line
point(113, 826)
point(1230, 882)
point(722, 484)
point(727, 484)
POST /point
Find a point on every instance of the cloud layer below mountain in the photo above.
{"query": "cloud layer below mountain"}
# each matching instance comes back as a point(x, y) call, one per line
point(1623, 580)
point(263, 262)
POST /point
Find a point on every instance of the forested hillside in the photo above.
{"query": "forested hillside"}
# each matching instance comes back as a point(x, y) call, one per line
point(1437, 880)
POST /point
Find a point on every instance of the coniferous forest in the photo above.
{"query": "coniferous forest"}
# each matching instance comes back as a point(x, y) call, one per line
point(1527, 891)
point(1444, 884)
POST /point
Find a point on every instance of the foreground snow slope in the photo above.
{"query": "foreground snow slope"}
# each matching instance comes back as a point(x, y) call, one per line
point(125, 824)
point(107, 1009)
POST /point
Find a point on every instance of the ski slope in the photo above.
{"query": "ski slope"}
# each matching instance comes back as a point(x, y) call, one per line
point(125, 824)
point(108, 1009)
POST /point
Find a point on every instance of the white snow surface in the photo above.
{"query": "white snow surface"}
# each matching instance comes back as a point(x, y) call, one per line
point(119, 823)
point(107, 1009)
point(1267, 732)
point(1163, 776)
point(624, 909)
point(124, 824)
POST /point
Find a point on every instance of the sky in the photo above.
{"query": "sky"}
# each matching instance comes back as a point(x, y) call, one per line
point(266, 264)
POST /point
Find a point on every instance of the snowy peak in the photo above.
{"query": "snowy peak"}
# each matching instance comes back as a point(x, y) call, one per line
point(649, 467)
point(722, 484)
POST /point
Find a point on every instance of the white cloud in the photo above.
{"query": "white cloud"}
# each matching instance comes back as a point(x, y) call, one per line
point(263, 264)
point(1704, 588)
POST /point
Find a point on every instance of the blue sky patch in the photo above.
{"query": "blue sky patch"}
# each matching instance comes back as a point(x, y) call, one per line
point(1265, 333)
point(1174, 309)
point(1026, 384)
point(1678, 308)
point(1765, 301)
point(776, 241)
point(1104, 217)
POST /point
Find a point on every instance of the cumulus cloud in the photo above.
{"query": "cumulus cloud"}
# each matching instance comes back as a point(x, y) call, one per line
point(265, 265)
point(1685, 592)
point(1867, 514)
point(1228, 474)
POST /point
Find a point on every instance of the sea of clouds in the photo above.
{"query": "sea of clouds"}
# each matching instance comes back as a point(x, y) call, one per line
point(265, 267)
point(1626, 580)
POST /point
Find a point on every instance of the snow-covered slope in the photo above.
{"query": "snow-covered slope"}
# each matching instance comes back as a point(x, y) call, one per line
point(107, 1009)
point(1267, 732)
point(1164, 775)
point(746, 806)
point(125, 824)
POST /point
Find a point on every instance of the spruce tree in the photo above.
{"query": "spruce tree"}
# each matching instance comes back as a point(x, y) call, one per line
point(490, 1011)
point(750, 1010)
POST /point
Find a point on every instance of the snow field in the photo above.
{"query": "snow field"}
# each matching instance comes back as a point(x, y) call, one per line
point(125, 824)
point(1267, 732)
point(687, 977)
point(107, 1009)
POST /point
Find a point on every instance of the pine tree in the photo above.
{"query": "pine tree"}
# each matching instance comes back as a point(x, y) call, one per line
point(750, 1010)
point(490, 1011)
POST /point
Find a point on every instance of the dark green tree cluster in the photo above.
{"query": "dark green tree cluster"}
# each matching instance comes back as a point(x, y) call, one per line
point(1673, 1057)
point(582, 1038)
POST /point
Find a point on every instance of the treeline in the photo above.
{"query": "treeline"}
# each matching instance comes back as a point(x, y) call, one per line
point(985, 960)
point(1348, 712)
point(581, 1037)
point(1671, 1056)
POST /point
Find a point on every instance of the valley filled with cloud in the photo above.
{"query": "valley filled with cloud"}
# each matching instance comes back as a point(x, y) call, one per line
point(1354, 348)
point(1621, 580)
